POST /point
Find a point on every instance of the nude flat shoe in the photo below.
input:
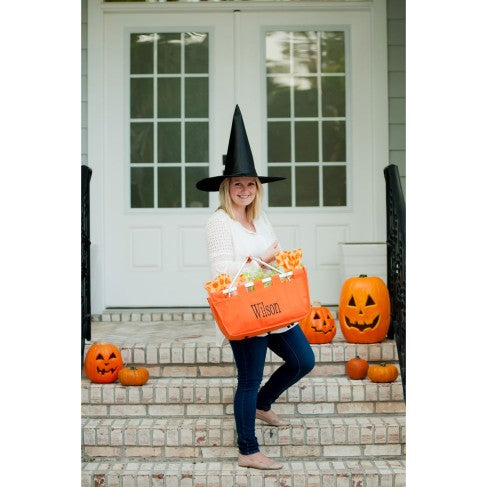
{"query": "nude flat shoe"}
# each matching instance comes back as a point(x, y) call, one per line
point(258, 461)
point(270, 417)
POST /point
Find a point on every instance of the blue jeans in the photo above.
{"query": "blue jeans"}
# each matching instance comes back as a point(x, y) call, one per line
point(293, 347)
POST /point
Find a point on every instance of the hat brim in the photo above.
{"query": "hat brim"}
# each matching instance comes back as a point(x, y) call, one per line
point(213, 183)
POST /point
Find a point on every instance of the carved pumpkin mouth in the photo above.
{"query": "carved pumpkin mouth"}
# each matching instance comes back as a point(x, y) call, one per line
point(105, 371)
point(362, 326)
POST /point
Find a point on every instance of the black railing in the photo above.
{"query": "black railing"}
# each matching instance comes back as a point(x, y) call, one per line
point(396, 263)
point(85, 258)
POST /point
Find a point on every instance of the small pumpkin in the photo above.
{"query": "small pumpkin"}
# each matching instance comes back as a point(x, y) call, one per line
point(133, 376)
point(103, 362)
point(364, 309)
point(356, 368)
point(383, 372)
point(318, 326)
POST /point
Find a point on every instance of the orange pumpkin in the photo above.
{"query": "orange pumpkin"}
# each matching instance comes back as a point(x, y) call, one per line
point(383, 372)
point(364, 310)
point(318, 326)
point(356, 368)
point(103, 362)
point(133, 376)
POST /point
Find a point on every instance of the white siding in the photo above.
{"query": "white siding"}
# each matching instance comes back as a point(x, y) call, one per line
point(396, 46)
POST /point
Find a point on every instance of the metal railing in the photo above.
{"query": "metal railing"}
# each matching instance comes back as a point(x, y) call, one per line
point(85, 258)
point(396, 263)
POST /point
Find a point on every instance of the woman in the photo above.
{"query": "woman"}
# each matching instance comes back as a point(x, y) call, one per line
point(237, 230)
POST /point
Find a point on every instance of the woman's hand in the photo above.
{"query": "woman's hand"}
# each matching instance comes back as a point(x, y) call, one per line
point(271, 251)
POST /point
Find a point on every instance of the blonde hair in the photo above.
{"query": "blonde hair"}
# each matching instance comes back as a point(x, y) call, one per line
point(252, 210)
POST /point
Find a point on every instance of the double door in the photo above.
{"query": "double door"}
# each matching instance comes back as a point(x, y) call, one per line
point(306, 82)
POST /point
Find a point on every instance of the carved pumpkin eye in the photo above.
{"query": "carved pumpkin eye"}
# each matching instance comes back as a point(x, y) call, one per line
point(352, 302)
point(112, 355)
point(99, 357)
point(370, 301)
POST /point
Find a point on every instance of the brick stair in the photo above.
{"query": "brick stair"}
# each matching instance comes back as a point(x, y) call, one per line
point(178, 429)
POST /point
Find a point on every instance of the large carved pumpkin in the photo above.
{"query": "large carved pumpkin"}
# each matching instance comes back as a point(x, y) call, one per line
point(103, 362)
point(318, 326)
point(364, 309)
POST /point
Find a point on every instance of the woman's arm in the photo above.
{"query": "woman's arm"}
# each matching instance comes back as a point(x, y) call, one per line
point(221, 252)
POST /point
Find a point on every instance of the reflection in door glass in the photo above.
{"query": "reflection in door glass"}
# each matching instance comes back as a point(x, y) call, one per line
point(169, 118)
point(307, 117)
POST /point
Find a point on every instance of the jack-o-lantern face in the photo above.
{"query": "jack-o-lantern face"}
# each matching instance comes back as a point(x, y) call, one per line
point(318, 326)
point(103, 362)
point(364, 310)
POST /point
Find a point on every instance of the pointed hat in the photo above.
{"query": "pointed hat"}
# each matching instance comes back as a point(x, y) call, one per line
point(238, 160)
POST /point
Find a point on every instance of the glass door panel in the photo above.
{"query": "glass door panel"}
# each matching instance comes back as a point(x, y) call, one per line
point(169, 118)
point(306, 116)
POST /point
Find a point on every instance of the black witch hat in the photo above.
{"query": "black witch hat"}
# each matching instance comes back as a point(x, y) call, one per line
point(238, 161)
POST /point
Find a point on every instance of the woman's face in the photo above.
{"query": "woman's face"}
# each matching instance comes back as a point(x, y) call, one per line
point(242, 191)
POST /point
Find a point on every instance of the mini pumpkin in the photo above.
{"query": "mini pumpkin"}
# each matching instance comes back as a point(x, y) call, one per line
point(318, 326)
point(356, 368)
point(364, 309)
point(383, 372)
point(103, 362)
point(133, 376)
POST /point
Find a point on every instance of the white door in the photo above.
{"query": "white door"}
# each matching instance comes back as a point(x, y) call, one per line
point(304, 81)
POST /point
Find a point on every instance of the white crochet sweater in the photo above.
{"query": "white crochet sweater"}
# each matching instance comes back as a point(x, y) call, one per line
point(229, 244)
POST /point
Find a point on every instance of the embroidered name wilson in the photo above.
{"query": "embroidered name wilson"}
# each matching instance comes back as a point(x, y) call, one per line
point(262, 310)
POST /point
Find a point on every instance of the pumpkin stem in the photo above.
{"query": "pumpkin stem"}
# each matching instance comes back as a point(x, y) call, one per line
point(382, 364)
point(133, 368)
point(357, 357)
point(363, 275)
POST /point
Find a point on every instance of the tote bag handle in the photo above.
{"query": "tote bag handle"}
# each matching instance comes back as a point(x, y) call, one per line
point(231, 288)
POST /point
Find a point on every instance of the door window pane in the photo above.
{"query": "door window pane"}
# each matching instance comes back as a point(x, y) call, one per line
point(279, 141)
point(141, 142)
point(306, 137)
point(196, 52)
point(333, 52)
point(279, 96)
point(307, 116)
point(169, 98)
point(280, 192)
point(194, 197)
point(196, 144)
point(334, 141)
point(142, 59)
point(169, 187)
point(196, 97)
point(307, 186)
point(305, 97)
point(168, 71)
point(141, 98)
point(142, 187)
point(169, 142)
point(334, 186)
point(278, 52)
point(333, 96)
point(169, 53)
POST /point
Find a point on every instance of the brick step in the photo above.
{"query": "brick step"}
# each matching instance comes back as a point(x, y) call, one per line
point(195, 397)
point(198, 438)
point(168, 357)
point(322, 473)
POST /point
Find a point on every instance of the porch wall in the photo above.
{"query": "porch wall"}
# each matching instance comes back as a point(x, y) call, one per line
point(396, 45)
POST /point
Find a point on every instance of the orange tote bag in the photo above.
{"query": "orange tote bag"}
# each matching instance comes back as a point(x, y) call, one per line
point(258, 309)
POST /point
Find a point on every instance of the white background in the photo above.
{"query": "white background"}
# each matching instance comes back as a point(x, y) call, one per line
point(40, 244)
